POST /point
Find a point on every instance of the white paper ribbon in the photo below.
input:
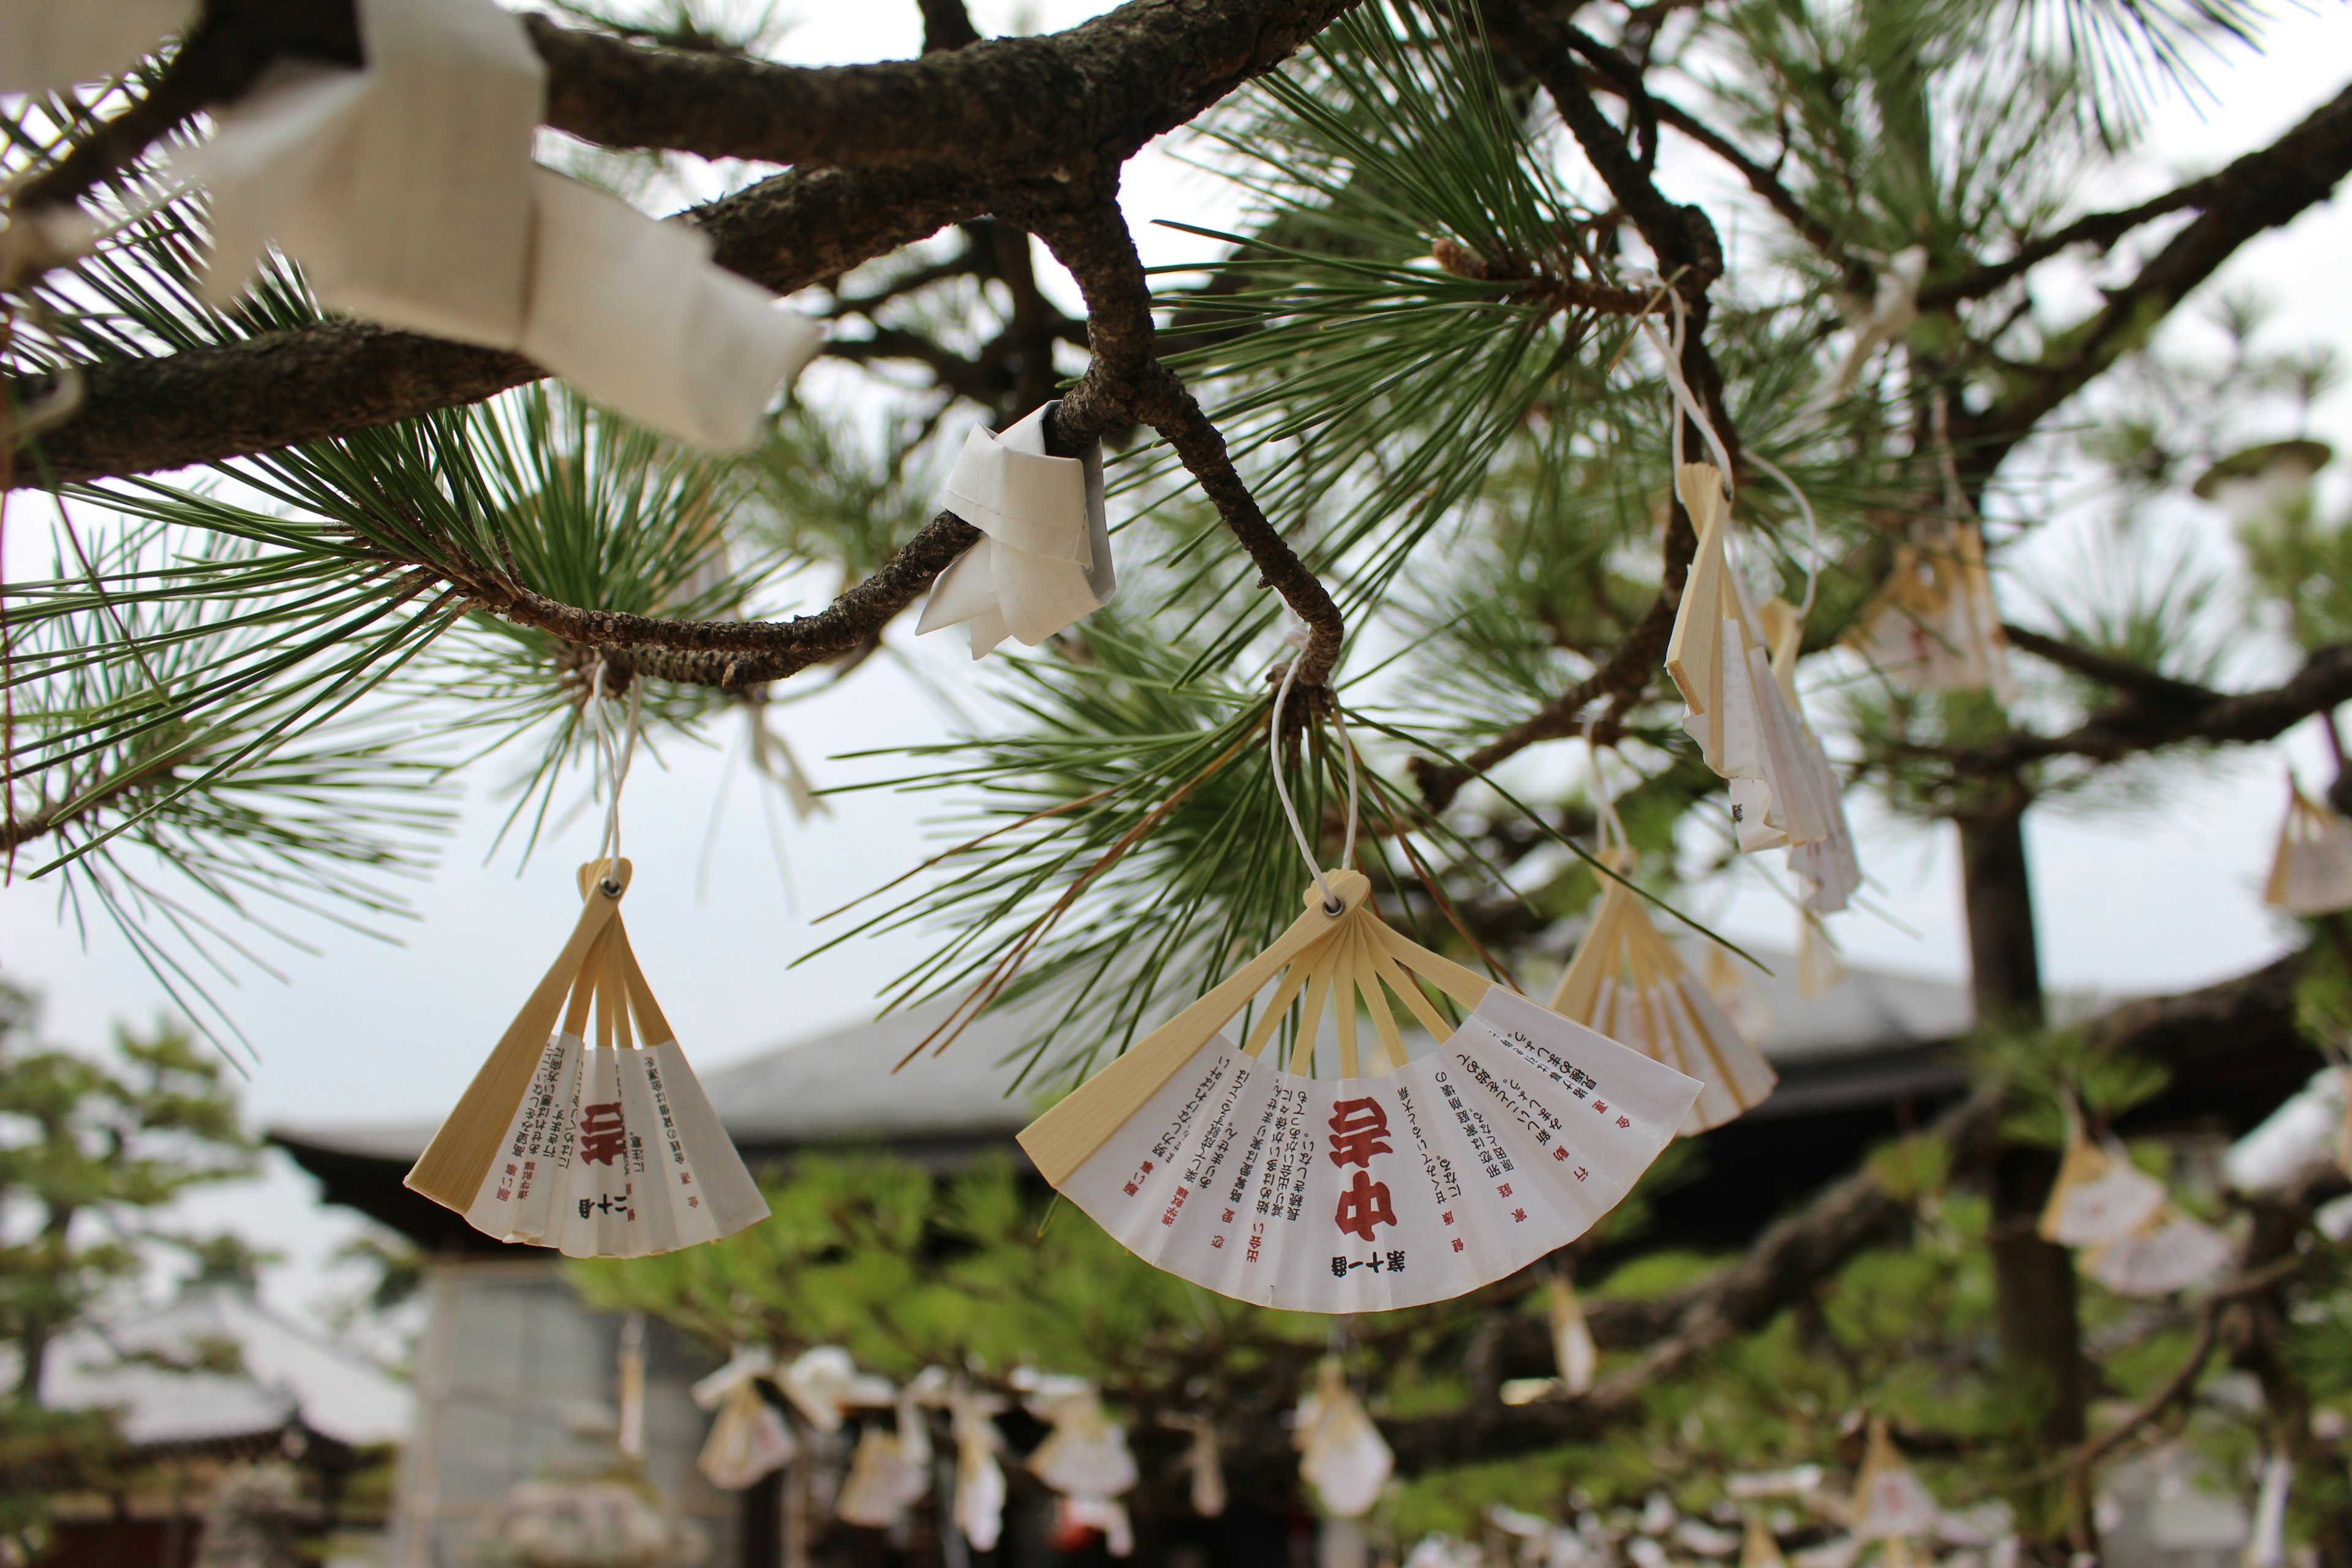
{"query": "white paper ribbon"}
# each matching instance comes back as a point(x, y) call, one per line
point(50, 44)
point(1044, 559)
point(406, 191)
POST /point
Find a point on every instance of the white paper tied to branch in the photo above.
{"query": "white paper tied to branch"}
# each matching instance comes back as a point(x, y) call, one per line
point(1085, 1456)
point(1572, 1348)
point(824, 1384)
point(2168, 1251)
point(749, 1440)
point(46, 45)
point(2100, 1195)
point(980, 1487)
point(1044, 559)
point(1890, 1503)
point(406, 191)
point(1342, 1454)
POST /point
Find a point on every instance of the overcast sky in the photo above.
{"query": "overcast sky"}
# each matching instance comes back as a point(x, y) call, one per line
point(369, 1032)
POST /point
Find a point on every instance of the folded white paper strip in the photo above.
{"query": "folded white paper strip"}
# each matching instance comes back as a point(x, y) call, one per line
point(406, 191)
point(748, 1441)
point(824, 1384)
point(1044, 559)
point(2099, 1195)
point(980, 1489)
point(1085, 1456)
point(1628, 982)
point(884, 1481)
point(2311, 872)
point(46, 45)
point(1340, 1453)
point(1359, 1192)
point(609, 1150)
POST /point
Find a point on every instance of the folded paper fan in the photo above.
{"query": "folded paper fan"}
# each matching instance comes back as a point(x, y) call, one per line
point(1413, 1184)
point(2311, 874)
point(1819, 969)
point(46, 45)
point(1572, 1338)
point(1044, 558)
point(2168, 1251)
point(606, 1151)
point(1890, 1501)
point(1934, 626)
point(2099, 1197)
point(1628, 982)
point(1342, 1454)
point(1735, 991)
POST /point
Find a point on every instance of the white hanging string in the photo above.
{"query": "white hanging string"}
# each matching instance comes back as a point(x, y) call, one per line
point(1333, 902)
point(612, 756)
point(1812, 529)
point(1670, 350)
point(1610, 830)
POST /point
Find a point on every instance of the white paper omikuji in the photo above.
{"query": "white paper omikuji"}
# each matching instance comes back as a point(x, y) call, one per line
point(633, 311)
point(884, 1481)
point(1501, 1148)
point(1043, 561)
point(2311, 872)
point(46, 45)
point(748, 1440)
point(2171, 1251)
point(1889, 1500)
point(406, 191)
point(1342, 1454)
point(404, 188)
point(980, 1487)
point(1086, 1455)
point(1572, 1349)
point(823, 1384)
point(2100, 1196)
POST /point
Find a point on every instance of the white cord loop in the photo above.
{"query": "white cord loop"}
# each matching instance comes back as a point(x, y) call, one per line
point(612, 756)
point(1812, 529)
point(1609, 829)
point(1670, 350)
point(1333, 902)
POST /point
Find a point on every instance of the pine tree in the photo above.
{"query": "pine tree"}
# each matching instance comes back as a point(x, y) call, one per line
point(1421, 404)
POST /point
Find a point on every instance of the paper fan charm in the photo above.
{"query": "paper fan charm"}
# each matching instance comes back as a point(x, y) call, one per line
point(1932, 627)
point(1412, 1183)
point(2312, 873)
point(2167, 1251)
point(1342, 1454)
point(2100, 1195)
point(1044, 559)
point(602, 1150)
point(1890, 1501)
point(1628, 982)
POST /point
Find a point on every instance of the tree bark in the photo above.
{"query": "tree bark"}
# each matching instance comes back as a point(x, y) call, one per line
point(2034, 1302)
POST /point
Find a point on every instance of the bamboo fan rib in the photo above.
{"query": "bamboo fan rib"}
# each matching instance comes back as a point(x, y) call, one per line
point(1628, 982)
point(604, 1150)
point(1408, 1182)
point(2311, 873)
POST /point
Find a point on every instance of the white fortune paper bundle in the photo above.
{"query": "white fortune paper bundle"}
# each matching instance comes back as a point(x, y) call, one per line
point(1414, 1183)
point(1890, 1501)
point(749, 1439)
point(602, 1150)
point(2136, 1242)
point(1735, 668)
point(1043, 562)
point(2311, 874)
point(1628, 982)
point(407, 190)
point(1340, 1453)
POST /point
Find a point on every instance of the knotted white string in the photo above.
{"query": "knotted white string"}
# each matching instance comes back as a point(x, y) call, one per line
point(614, 754)
point(1333, 902)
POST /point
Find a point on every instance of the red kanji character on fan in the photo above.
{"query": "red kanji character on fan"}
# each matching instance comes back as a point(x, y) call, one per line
point(602, 1134)
point(1364, 1206)
point(1356, 1127)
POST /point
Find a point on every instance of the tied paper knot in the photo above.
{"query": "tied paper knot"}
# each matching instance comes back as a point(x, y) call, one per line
point(407, 192)
point(1043, 562)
